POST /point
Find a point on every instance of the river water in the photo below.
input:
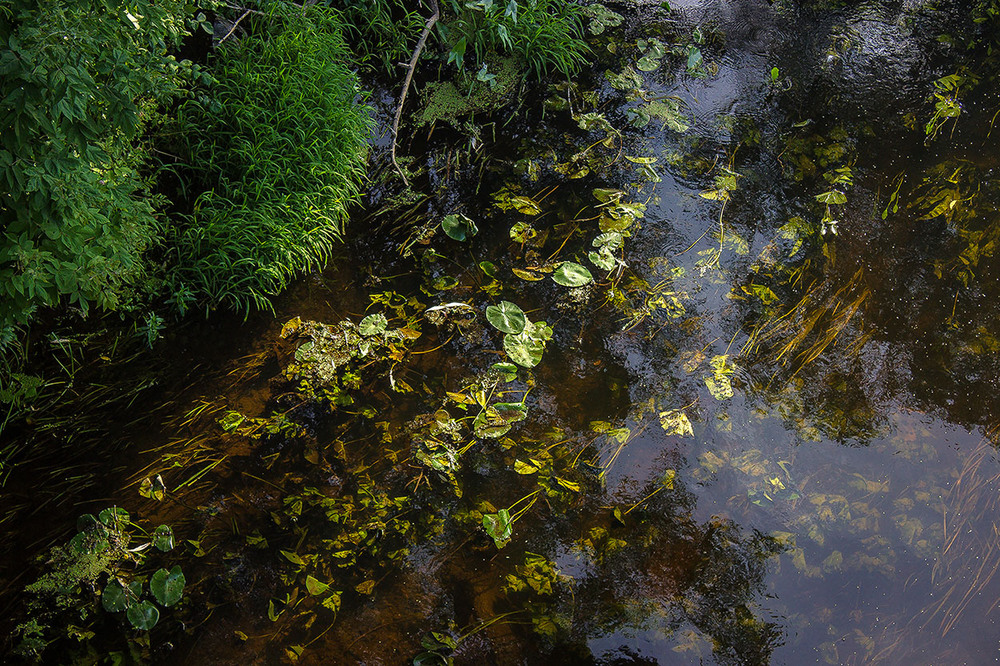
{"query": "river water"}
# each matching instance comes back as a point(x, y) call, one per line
point(758, 437)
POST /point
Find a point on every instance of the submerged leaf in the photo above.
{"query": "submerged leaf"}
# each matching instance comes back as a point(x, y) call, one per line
point(676, 422)
point(498, 526)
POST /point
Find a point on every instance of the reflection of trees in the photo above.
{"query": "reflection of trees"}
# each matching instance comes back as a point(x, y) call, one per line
point(656, 569)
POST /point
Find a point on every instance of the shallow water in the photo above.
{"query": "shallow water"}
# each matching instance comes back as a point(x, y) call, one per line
point(837, 505)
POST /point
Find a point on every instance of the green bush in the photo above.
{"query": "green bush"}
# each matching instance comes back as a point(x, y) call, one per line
point(278, 151)
point(78, 82)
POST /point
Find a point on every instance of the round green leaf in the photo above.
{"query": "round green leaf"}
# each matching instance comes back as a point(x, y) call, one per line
point(114, 598)
point(163, 538)
point(167, 586)
point(459, 227)
point(114, 516)
point(143, 616)
point(86, 522)
point(373, 324)
point(506, 317)
point(523, 350)
point(571, 274)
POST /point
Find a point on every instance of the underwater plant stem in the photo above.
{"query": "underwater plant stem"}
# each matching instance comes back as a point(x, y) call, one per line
point(431, 20)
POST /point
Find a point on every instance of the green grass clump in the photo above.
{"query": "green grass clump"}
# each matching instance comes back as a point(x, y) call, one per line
point(279, 150)
point(546, 34)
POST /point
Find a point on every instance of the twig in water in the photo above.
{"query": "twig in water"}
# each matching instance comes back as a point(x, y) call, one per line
point(435, 15)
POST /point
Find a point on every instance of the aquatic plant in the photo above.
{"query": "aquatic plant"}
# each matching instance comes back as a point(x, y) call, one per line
point(101, 556)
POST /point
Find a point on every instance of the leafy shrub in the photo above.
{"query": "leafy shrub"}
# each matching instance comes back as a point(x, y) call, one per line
point(279, 150)
point(78, 82)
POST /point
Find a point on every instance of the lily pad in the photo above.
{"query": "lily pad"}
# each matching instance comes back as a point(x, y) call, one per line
point(506, 317)
point(315, 587)
point(523, 349)
point(115, 597)
point(570, 274)
point(163, 538)
point(143, 616)
point(373, 324)
point(168, 586)
point(459, 227)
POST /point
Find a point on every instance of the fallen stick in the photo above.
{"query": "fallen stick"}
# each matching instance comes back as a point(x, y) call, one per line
point(435, 15)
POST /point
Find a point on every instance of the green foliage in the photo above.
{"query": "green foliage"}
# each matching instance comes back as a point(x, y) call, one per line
point(379, 30)
point(506, 317)
point(65, 597)
point(459, 227)
point(279, 150)
point(546, 34)
point(80, 82)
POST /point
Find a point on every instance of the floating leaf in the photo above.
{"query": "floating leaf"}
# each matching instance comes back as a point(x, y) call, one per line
point(163, 538)
point(496, 420)
point(629, 79)
point(114, 517)
point(506, 317)
point(612, 240)
point(167, 586)
point(367, 587)
point(529, 467)
point(832, 197)
point(445, 282)
point(498, 526)
point(114, 598)
point(647, 64)
point(507, 371)
point(570, 274)
point(605, 195)
point(459, 227)
point(604, 259)
point(525, 205)
point(333, 601)
point(233, 420)
point(523, 350)
point(522, 232)
point(143, 616)
point(293, 558)
point(373, 324)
